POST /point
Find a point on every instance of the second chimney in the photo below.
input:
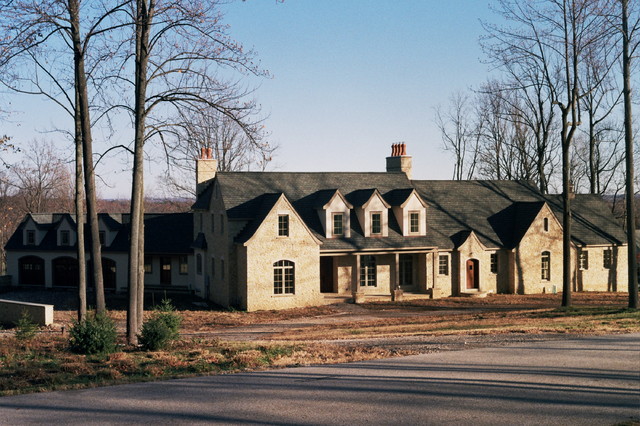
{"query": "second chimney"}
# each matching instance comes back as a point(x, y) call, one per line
point(399, 162)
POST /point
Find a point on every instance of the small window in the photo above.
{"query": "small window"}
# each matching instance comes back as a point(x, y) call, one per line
point(148, 266)
point(184, 265)
point(546, 266)
point(443, 265)
point(199, 264)
point(368, 271)
point(414, 222)
point(494, 263)
point(338, 224)
point(607, 258)
point(546, 224)
point(283, 225)
point(102, 237)
point(31, 237)
point(283, 277)
point(64, 238)
point(583, 260)
point(376, 223)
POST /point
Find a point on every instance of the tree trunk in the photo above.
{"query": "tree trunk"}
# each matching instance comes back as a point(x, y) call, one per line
point(628, 136)
point(89, 172)
point(82, 263)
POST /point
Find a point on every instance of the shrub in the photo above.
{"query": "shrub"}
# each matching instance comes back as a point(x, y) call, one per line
point(95, 335)
point(162, 328)
point(26, 329)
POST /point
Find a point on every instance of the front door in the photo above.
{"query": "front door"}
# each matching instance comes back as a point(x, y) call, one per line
point(326, 275)
point(165, 271)
point(472, 274)
point(406, 271)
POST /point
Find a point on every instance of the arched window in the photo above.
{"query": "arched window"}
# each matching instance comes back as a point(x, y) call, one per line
point(546, 224)
point(31, 270)
point(546, 266)
point(284, 277)
point(368, 271)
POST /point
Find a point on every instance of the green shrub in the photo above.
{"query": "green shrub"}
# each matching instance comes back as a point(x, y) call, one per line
point(26, 329)
point(95, 335)
point(162, 328)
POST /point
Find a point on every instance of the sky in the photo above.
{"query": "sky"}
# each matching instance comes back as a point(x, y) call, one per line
point(348, 79)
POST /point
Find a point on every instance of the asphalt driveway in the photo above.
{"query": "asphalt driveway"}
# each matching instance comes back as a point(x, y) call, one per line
point(593, 380)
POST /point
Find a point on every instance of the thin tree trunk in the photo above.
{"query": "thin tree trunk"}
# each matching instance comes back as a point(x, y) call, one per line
point(628, 137)
point(89, 172)
point(82, 263)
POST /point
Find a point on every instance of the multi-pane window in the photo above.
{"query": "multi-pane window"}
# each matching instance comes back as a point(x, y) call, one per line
point(368, 271)
point(199, 264)
point(184, 265)
point(338, 224)
point(607, 257)
point(64, 238)
point(284, 277)
point(148, 267)
point(443, 264)
point(414, 222)
point(31, 237)
point(494, 263)
point(545, 266)
point(376, 223)
point(583, 260)
point(283, 225)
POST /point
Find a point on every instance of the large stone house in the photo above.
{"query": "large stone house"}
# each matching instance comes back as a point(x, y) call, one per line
point(275, 240)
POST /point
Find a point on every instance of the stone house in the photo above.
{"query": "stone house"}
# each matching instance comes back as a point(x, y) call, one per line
point(275, 240)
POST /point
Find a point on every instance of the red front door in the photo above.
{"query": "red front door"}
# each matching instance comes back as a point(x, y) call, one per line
point(472, 274)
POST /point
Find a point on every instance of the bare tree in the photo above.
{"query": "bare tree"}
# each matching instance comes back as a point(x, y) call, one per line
point(460, 134)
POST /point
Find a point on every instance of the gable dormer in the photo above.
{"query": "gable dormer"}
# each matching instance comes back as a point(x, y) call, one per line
point(108, 227)
point(410, 211)
point(65, 232)
point(334, 212)
point(372, 212)
point(32, 233)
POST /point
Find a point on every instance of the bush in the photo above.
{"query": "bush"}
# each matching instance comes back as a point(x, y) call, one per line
point(26, 329)
point(95, 335)
point(162, 328)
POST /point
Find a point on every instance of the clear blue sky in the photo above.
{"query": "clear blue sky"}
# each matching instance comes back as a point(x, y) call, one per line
point(350, 77)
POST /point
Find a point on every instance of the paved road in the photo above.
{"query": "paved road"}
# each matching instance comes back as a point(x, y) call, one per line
point(577, 381)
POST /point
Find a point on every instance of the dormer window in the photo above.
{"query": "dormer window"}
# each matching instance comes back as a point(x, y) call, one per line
point(31, 237)
point(376, 223)
point(414, 222)
point(338, 224)
point(64, 238)
point(283, 225)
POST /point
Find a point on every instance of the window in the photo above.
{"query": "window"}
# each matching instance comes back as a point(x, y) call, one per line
point(102, 237)
point(546, 224)
point(414, 222)
point(368, 274)
point(283, 277)
point(184, 265)
point(583, 260)
point(376, 223)
point(283, 225)
point(199, 264)
point(607, 258)
point(546, 266)
point(31, 237)
point(443, 265)
point(213, 223)
point(338, 224)
point(494, 263)
point(64, 238)
point(148, 266)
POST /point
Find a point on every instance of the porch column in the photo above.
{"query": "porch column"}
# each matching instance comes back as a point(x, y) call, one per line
point(434, 273)
point(396, 292)
point(358, 295)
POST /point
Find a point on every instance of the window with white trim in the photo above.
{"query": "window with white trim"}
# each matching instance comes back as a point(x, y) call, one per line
point(443, 264)
point(494, 263)
point(376, 223)
point(283, 225)
point(545, 266)
point(338, 224)
point(368, 273)
point(607, 258)
point(284, 277)
point(414, 222)
point(583, 260)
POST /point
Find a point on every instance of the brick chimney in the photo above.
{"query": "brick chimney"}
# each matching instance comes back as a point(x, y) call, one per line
point(206, 167)
point(399, 162)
